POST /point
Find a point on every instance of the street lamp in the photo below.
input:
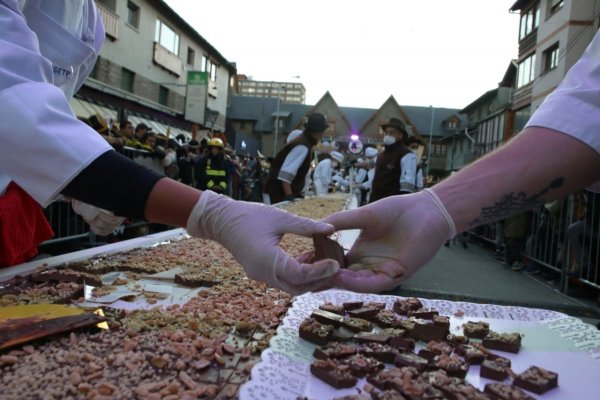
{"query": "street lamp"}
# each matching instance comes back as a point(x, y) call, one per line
point(430, 137)
point(277, 117)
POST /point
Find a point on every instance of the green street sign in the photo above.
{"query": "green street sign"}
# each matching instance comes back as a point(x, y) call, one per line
point(197, 78)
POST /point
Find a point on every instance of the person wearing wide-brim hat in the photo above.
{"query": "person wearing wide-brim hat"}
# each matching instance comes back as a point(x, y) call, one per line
point(396, 166)
point(291, 165)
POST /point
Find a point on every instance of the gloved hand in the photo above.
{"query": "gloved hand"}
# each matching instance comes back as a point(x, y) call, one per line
point(101, 222)
point(252, 231)
point(399, 235)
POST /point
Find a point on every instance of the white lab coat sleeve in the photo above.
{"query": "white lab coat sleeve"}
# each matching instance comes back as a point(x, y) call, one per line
point(420, 179)
point(574, 107)
point(408, 177)
point(323, 171)
point(369, 183)
point(292, 163)
point(43, 145)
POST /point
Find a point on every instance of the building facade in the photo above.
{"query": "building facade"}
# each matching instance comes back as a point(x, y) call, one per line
point(143, 68)
point(552, 36)
point(288, 92)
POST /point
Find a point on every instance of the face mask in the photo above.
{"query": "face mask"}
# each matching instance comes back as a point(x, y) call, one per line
point(334, 164)
point(389, 139)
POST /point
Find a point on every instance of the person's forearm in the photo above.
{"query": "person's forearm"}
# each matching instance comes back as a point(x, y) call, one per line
point(171, 202)
point(287, 188)
point(538, 166)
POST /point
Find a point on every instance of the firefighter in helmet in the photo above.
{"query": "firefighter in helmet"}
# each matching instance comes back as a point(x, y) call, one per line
point(212, 170)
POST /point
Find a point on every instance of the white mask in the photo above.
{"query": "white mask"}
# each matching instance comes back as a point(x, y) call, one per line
point(389, 139)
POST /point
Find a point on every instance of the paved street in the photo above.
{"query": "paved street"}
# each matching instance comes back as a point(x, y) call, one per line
point(473, 275)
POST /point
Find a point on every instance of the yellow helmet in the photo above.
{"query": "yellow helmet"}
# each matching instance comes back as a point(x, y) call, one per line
point(216, 142)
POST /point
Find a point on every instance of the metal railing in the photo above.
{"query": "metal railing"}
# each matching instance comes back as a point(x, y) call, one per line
point(563, 237)
point(110, 20)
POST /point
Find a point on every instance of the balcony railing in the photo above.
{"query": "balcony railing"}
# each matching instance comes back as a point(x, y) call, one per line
point(110, 20)
point(167, 60)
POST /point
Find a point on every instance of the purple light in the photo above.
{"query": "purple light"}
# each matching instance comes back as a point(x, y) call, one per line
point(354, 137)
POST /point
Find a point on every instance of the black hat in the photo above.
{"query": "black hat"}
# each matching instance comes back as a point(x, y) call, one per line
point(395, 123)
point(316, 123)
point(142, 126)
point(193, 144)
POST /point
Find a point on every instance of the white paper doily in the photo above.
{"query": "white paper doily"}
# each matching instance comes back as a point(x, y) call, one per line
point(283, 372)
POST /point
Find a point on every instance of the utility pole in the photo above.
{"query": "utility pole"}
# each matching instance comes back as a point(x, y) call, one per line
point(430, 138)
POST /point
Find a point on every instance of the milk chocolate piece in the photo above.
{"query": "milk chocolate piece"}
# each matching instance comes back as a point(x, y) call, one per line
point(360, 365)
point(328, 318)
point(357, 324)
point(471, 353)
point(426, 331)
point(381, 352)
point(509, 342)
point(328, 248)
point(423, 313)
point(504, 391)
point(372, 337)
point(435, 348)
point(536, 380)
point(315, 332)
point(352, 305)
point(456, 340)
point(375, 304)
point(342, 334)
point(387, 319)
point(476, 330)
point(390, 379)
point(453, 365)
point(333, 374)
point(334, 308)
point(492, 370)
point(363, 312)
point(441, 321)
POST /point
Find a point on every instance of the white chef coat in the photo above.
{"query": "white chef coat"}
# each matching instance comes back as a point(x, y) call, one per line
point(47, 50)
point(408, 176)
point(574, 107)
point(322, 176)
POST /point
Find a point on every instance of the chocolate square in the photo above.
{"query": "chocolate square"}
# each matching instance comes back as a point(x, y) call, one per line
point(315, 332)
point(504, 391)
point(476, 330)
point(333, 374)
point(492, 370)
point(328, 318)
point(328, 248)
point(537, 380)
point(509, 342)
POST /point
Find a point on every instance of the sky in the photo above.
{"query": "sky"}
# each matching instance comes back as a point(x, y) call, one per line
point(444, 53)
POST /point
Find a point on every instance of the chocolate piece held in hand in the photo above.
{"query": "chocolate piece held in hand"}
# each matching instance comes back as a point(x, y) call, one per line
point(328, 248)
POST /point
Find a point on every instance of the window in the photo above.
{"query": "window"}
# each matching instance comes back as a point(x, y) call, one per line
point(133, 14)
point(163, 95)
point(555, 5)
point(204, 64)
point(211, 68)
point(526, 71)
point(127, 78)
point(521, 118)
point(166, 37)
point(530, 20)
point(551, 58)
point(190, 56)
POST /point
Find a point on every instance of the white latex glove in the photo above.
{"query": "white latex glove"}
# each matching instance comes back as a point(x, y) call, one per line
point(399, 235)
point(252, 231)
point(101, 222)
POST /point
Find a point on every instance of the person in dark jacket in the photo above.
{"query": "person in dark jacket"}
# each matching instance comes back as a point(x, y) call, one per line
point(291, 165)
point(213, 169)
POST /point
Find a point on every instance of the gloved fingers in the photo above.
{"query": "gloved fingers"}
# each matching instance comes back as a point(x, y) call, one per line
point(87, 211)
point(101, 228)
point(309, 287)
point(295, 273)
point(365, 281)
point(359, 218)
point(306, 257)
point(303, 226)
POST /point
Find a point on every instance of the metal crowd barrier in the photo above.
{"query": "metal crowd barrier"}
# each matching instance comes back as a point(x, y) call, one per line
point(564, 237)
point(69, 226)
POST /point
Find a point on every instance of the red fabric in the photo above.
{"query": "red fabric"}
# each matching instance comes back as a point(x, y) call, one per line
point(23, 226)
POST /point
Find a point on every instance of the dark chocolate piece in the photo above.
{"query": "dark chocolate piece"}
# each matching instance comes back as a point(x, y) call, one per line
point(492, 370)
point(403, 306)
point(476, 330)
point(504, 391)
point(441, 321)
point(315, 332)
point(410, 360)
point(434, 349)
point(402, 343)
point(423, 313)
point(387, 395)
point(372, 337)
point(426, 331)
point(536, 380)
point(471, 353)
point(498, 359)
point(328, 248)
point(353, 305)
point(357, 325)
point(381, 352)
point(361, 366)
point(509, 342)
point(333, 374)
point(456, 339)
point(391, 379)
point(334, 308)
point(363, 312)
point(453, 365)
point(335, 350)
point(375, 304)
point(328, 318)
point(342, 335)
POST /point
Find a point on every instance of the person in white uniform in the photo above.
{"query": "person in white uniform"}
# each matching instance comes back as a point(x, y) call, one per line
point(47, 49)
point(557, 153)
point(324, 172)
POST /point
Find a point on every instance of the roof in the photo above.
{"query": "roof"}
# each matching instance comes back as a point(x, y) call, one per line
point(182, 24)
point(520, 4)
point(421, 118)
point(487, 95)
